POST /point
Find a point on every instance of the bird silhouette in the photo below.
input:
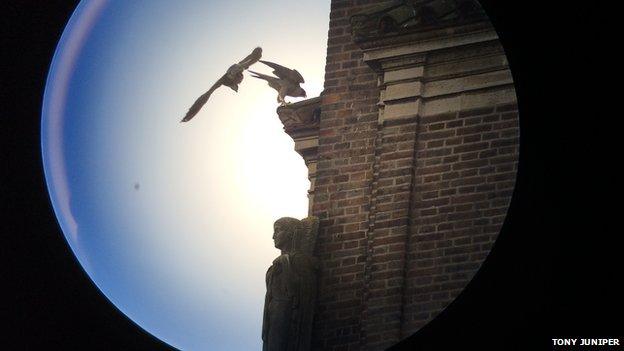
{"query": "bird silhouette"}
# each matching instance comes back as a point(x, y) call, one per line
point(232, 78)
point(287, 82)
point(285, 72)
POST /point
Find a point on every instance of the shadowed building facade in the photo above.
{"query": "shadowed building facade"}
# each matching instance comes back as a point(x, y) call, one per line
point(412, 155)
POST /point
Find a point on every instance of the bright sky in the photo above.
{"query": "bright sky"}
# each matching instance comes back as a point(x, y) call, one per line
point(185, 254)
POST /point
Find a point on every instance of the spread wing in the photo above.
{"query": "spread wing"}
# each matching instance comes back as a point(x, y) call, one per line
point(273, 82)
point(252, 58)
point(284, 72)
point(201, 101)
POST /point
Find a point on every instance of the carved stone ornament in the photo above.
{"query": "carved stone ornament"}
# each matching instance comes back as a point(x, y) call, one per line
point(399, 16)
point(291, 287)
point(300, 116)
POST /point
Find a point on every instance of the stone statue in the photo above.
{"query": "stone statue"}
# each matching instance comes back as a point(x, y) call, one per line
point(291, 287)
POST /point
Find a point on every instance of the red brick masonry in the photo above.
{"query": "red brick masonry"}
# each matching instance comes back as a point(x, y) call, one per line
point(409, 207)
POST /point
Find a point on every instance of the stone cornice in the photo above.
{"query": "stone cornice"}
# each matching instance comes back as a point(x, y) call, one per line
point(385, 49)
point(432, 70)
point(419, 34)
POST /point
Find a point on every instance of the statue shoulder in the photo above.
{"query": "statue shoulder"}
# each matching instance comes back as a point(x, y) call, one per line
point(281, 260)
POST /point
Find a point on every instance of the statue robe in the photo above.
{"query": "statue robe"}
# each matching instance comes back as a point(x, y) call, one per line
point(289, 303)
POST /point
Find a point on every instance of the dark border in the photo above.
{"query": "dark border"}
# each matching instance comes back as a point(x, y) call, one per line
point(552, 273)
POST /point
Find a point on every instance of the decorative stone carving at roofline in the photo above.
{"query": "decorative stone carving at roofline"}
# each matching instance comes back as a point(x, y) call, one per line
point(398, 17)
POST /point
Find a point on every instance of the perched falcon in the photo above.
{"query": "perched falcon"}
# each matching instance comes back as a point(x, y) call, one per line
point(232, 78)
point(285, 72)
point(286, 83)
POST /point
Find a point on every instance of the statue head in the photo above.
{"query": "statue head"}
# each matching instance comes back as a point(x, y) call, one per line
point(284, 233)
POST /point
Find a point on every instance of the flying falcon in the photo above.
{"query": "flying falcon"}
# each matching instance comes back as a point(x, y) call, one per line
point(286, 83)
point(232, 78)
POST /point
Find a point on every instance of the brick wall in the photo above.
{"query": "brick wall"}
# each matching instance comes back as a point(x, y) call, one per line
point(464, 178)
point(347, 134)
point(409, 207)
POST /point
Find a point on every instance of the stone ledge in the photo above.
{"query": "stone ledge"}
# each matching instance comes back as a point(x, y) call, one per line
point(300, 117)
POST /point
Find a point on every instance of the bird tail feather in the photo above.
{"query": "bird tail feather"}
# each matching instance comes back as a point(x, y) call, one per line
point(259, 75)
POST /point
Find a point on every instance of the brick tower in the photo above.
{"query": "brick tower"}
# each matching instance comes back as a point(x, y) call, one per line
point(412, 154)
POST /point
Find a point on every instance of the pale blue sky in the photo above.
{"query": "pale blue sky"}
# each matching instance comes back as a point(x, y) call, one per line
point(184, 256)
